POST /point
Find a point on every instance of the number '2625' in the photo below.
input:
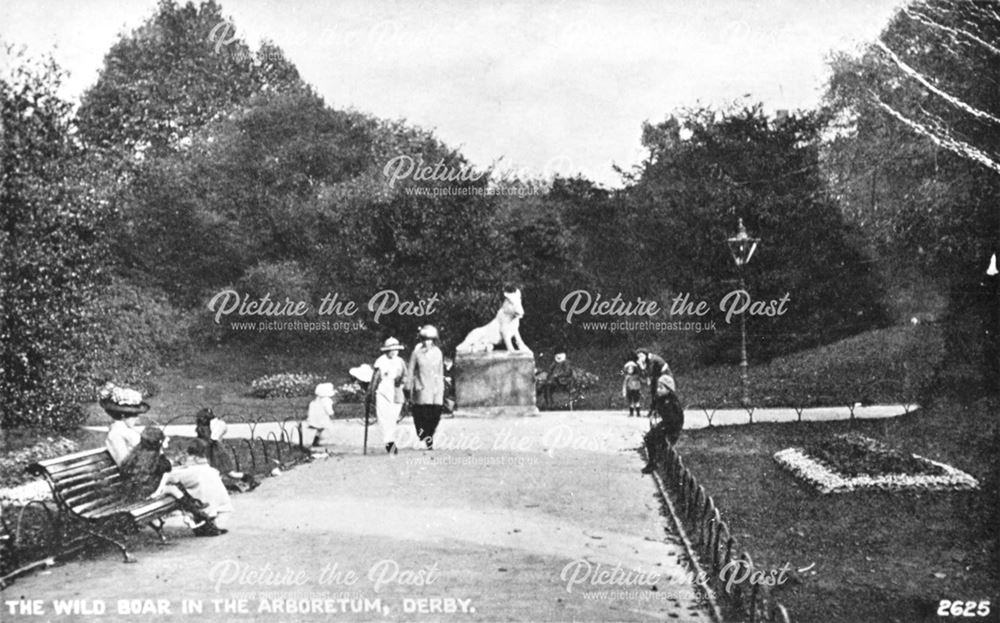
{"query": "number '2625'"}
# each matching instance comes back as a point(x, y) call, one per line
point(949, 608)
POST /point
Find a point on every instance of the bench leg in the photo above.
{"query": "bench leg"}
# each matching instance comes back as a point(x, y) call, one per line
point(119, 544)
point(157, 525)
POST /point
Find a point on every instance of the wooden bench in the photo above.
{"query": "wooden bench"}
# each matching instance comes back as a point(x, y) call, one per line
point(91, 495)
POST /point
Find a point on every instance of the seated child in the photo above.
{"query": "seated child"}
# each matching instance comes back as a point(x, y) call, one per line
point(203, 482)
point(667, 407)
point(211, 429)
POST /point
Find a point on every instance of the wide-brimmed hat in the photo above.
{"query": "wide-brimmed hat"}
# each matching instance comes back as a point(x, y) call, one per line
point(429, 332)
point(630, 367)
point(325, 390)
point(117, 411)
point(667, 381)
point(391, 344)
point(362, 373)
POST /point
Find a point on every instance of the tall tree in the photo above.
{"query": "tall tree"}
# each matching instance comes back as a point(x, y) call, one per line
point(916, 160)
point(707, 168)
point(182, 68)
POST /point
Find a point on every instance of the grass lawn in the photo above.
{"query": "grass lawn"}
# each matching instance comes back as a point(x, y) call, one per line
point(882, 366)
point(879, 556)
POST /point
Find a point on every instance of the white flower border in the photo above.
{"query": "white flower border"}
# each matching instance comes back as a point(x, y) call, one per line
point(826, 480)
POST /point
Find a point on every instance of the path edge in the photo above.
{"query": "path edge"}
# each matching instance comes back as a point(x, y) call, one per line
point(702, 585)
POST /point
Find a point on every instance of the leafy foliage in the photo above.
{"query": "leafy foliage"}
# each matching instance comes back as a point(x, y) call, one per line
point(914, 112)
point(50, 236)
point(169, 77)
point(688, 193)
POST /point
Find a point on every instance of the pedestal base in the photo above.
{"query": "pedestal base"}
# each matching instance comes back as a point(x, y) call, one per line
point(493, 384)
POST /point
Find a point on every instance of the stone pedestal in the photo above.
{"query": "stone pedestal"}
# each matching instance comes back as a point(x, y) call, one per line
point(497, 383)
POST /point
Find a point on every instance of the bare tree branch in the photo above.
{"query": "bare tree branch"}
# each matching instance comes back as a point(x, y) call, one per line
point(919, 77)
point(956, 33)
point(941, 138)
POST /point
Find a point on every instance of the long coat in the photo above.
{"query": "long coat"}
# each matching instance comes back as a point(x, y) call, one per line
point(426, 376)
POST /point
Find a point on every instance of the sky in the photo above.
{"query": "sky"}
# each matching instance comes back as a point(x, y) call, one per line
point(539, 87)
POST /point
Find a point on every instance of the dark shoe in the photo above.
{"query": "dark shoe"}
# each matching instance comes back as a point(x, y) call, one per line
point(648, 469)
point(430, 443)
point(390, 448)
point(209, 529)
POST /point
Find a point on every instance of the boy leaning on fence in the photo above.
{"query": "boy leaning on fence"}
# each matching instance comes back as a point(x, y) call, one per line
point(668, 411)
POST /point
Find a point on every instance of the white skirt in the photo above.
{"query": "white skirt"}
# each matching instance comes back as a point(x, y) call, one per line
point(387, 412)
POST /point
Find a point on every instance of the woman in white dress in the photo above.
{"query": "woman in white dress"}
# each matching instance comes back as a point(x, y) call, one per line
point(123, 435)
point(387, 385)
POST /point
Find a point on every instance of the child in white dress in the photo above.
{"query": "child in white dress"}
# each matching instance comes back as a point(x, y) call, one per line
point(319, 420)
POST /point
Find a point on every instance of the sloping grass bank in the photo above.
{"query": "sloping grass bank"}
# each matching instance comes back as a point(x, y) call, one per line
point(883, 366)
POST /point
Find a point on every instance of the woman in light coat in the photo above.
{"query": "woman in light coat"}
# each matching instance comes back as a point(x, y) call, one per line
point(425, 382)
point(387, 385)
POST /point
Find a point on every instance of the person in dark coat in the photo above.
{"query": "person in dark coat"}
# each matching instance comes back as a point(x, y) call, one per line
point(560, 376)
point(145, 465)
point(667, 407)
point(653, 367)
point(425, 384)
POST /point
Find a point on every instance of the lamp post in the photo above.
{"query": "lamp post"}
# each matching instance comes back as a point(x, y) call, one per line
point(742, 247)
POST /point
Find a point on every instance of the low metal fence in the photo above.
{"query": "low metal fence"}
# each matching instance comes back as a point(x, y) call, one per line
point(715, 544)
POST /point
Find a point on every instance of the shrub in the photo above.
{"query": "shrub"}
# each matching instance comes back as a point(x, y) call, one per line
point(52, 250)
point(136, 331)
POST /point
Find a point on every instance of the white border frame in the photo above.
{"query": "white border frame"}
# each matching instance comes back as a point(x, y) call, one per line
point(826, 480)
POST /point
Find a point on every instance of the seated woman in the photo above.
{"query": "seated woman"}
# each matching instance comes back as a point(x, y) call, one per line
point(210, 429)
point(147, 473)
point(123, 436)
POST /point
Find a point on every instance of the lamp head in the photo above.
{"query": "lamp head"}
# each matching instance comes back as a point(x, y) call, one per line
point(742, 246)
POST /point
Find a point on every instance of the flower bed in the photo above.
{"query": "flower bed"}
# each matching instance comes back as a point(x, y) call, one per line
point(350, 393)
point(285, 385)
point(849, 462)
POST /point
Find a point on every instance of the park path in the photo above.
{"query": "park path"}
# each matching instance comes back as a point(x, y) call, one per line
point(541, 519)
point(590, 429)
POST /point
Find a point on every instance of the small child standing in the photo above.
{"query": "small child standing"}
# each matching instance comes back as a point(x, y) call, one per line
point(320, 413)
point(632, 386)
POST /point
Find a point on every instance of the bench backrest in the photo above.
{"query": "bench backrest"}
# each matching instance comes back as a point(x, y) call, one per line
point(83, 482)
